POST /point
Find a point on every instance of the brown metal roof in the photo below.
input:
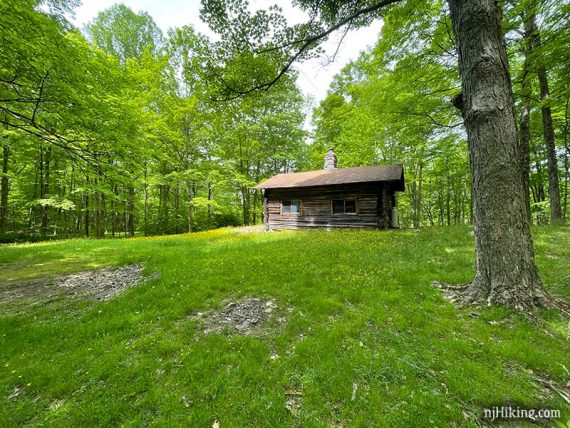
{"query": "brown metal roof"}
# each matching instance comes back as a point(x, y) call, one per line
point(361, 174)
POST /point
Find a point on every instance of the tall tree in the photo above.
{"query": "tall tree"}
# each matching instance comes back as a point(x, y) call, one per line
point(128, 36)
point(506, 271)
point(536, 62)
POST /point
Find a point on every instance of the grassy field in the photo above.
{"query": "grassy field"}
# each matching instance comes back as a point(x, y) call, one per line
point(366, 340)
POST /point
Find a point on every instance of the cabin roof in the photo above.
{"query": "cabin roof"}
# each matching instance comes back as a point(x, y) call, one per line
point(361, 174)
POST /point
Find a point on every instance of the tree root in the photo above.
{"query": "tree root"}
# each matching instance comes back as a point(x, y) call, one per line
point(473, 295)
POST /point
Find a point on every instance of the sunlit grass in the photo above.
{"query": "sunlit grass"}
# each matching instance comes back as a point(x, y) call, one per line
point(363, 312)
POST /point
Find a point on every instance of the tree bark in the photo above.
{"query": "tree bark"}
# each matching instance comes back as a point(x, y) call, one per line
point(531, 31)
point(506, 271)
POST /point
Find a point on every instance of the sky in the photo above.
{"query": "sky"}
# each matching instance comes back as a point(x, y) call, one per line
point(315, 75)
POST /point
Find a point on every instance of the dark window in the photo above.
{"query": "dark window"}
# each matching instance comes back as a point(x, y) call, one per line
point(291, 207)
point(338, 206)
point(350, 206)
point(344, 206)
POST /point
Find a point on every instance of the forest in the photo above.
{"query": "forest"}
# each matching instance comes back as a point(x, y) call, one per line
point(117, 129)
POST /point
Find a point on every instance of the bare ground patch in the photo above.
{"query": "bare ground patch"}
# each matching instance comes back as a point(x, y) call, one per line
point(248, 316)
point(102, 284)
point(99, 285)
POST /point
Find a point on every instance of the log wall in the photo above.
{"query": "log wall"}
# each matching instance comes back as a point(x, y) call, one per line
point(374, 204)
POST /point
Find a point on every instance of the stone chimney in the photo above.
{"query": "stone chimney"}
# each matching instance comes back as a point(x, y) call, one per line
point(331, 161)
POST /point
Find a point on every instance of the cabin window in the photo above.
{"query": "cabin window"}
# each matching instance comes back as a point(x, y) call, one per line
point(344, 206)
point(291, 207)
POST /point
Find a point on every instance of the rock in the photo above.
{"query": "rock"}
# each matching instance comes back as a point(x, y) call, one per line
point(293, 405)
point(243, 326)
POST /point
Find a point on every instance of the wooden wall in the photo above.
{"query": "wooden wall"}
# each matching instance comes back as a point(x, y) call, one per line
point(374, 202)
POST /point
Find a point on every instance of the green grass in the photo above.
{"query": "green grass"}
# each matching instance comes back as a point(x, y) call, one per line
point(363, 313)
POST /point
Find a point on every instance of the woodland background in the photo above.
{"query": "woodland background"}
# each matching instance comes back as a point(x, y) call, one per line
point(116, 128)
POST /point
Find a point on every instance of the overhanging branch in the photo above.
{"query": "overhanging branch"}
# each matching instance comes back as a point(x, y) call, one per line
point(304, 45)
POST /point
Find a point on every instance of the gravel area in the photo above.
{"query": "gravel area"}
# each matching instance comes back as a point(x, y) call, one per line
point(99, 285)
point(243, 317)
point(102, 284)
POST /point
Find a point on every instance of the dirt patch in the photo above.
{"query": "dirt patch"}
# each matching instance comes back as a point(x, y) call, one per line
point(249, 316)
point(29, 291)
point(100, 284)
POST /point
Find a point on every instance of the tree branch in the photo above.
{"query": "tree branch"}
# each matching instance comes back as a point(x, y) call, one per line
point(335, 27)
point(430, 117)
point(39, 99)
point(304, 46)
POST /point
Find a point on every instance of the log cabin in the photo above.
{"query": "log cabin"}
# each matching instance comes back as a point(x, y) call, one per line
point(363, 197)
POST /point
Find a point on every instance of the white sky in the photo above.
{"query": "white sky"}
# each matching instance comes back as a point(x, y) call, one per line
point(314, 76)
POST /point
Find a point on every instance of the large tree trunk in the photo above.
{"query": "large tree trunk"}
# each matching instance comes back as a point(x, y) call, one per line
point(506, 271)
point(531, 32)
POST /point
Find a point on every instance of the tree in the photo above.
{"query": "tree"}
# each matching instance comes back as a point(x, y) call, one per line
point(123, 33)
point(535, 62)
point(506, 271)
point(128, 36)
